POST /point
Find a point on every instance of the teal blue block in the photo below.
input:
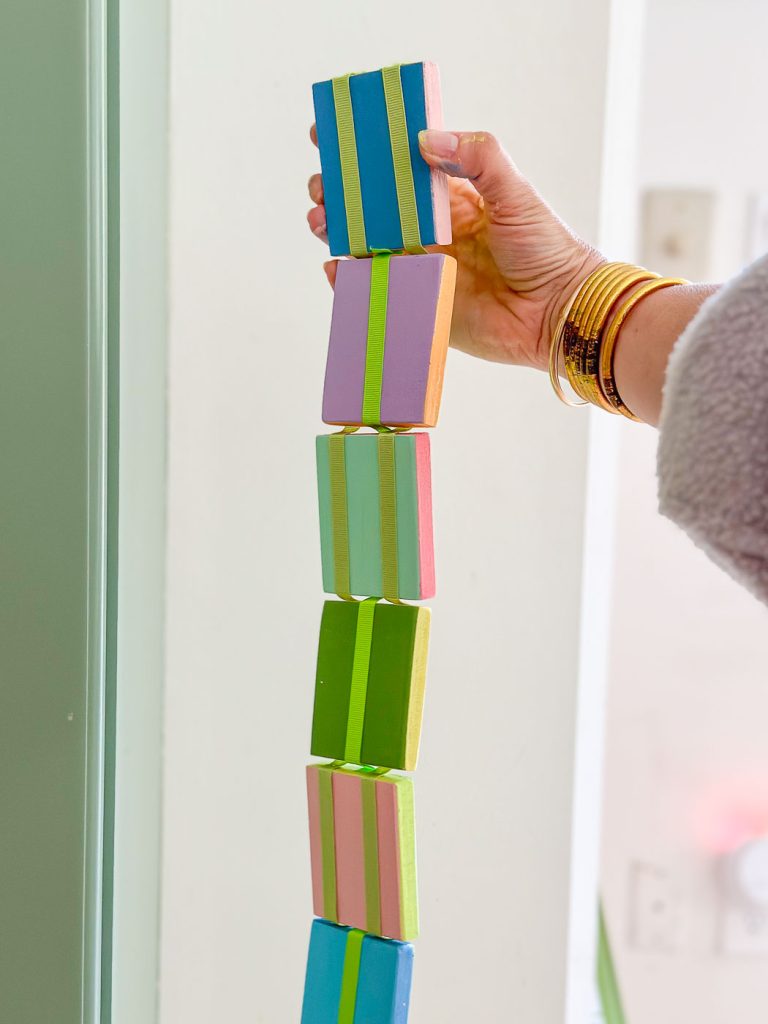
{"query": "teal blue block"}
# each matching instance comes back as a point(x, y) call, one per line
point(384, 981)
point(374, 156)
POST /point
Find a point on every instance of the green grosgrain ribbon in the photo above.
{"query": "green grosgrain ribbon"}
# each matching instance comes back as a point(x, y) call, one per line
point(358, 690)
point(339, 519)
point(371, 855)
point(350, 975)
point(368, 778)
point(401, 159)
point(377, 327)
point(388, 516)
point(327, 841)
point(350, 170)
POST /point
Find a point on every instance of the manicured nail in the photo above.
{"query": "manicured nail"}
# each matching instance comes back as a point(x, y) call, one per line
point(442, 144)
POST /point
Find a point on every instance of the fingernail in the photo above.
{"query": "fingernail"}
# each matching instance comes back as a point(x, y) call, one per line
point(320, 230)
point(442, 144)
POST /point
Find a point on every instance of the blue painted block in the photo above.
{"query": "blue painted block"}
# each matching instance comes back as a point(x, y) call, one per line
point(421, 96)
point(384, 981)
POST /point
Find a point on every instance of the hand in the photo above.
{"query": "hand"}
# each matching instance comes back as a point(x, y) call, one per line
point(518, 263)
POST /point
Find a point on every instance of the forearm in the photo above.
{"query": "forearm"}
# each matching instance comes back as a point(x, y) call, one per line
point(646, 340)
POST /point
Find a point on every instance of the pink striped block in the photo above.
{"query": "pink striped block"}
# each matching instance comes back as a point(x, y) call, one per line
point(339, 887)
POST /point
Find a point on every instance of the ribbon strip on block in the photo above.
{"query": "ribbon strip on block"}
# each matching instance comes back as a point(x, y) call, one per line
point(374, 352)
point(388, 516)
point(350, 976)
point(350, 171)
point(338, 475)
point(401, 159)
point(359, 684)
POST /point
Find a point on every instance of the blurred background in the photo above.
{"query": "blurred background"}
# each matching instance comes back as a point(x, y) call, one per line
point(685, 817)
point(606, 678)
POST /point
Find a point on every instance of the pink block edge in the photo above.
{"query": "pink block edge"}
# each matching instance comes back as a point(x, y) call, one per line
point(441, 202)
point(315, 843)
point(424, 501)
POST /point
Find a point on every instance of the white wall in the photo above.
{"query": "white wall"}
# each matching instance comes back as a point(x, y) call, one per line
point(686, 747)
point(249, 321)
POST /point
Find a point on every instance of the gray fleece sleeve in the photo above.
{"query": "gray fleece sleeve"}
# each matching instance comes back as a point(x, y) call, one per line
point(713, 448)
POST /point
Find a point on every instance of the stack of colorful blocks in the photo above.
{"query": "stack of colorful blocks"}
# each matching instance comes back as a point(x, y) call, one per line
point(389, 338)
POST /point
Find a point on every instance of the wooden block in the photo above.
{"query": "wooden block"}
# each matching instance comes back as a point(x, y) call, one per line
point(363, 850)
point(380, 977)
point(373, 556)
point(381, 213)
point(419, 303)
point(393, 685)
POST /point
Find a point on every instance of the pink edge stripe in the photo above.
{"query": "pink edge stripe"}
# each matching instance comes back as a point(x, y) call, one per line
point(315, 845)
point(441, 202)
point(350, 863)
point(389, 859)
point(424, 499)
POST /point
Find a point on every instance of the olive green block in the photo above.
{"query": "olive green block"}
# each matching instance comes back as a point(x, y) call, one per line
point(395, 692)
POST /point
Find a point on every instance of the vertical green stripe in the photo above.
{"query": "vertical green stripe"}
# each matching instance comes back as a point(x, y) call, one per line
point(350, 171)
point(371, 855)
point(401, 159)
point(377, 328)
point(338, 476)
point(327, 842)
point(610, 997)
point(352, 955)
point(359, 685)
point(388, 515)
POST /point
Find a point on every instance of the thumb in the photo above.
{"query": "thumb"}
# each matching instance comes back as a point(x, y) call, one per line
point(479, 157)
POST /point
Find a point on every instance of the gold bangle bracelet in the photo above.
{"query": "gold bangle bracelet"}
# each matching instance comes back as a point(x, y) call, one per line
point(571, 330)
point(605, 300)
point(582, 343)
point(607, 348)
point(555, 348)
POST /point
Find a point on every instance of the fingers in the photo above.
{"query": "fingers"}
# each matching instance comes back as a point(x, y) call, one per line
point(313, 133)
point(315, 188)
point(317, 223)
point(330, 269)
point(478, 157)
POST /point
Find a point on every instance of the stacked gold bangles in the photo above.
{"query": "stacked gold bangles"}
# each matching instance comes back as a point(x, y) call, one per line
point(587, 330)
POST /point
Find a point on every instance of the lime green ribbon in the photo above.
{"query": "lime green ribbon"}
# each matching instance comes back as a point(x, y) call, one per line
point(358, 690)
point(401, 162)
point(401, 159)
point(327, 841)
point(350, 171)
point(377, 329)
point(350, 976)
point(388, 516)
point(371, 855)
point(339, 517)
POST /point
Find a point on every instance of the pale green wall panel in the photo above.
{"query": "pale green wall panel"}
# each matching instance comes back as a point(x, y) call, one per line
point(47, 495)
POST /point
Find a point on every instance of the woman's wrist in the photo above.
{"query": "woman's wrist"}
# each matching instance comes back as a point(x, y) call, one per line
point(645, 343)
